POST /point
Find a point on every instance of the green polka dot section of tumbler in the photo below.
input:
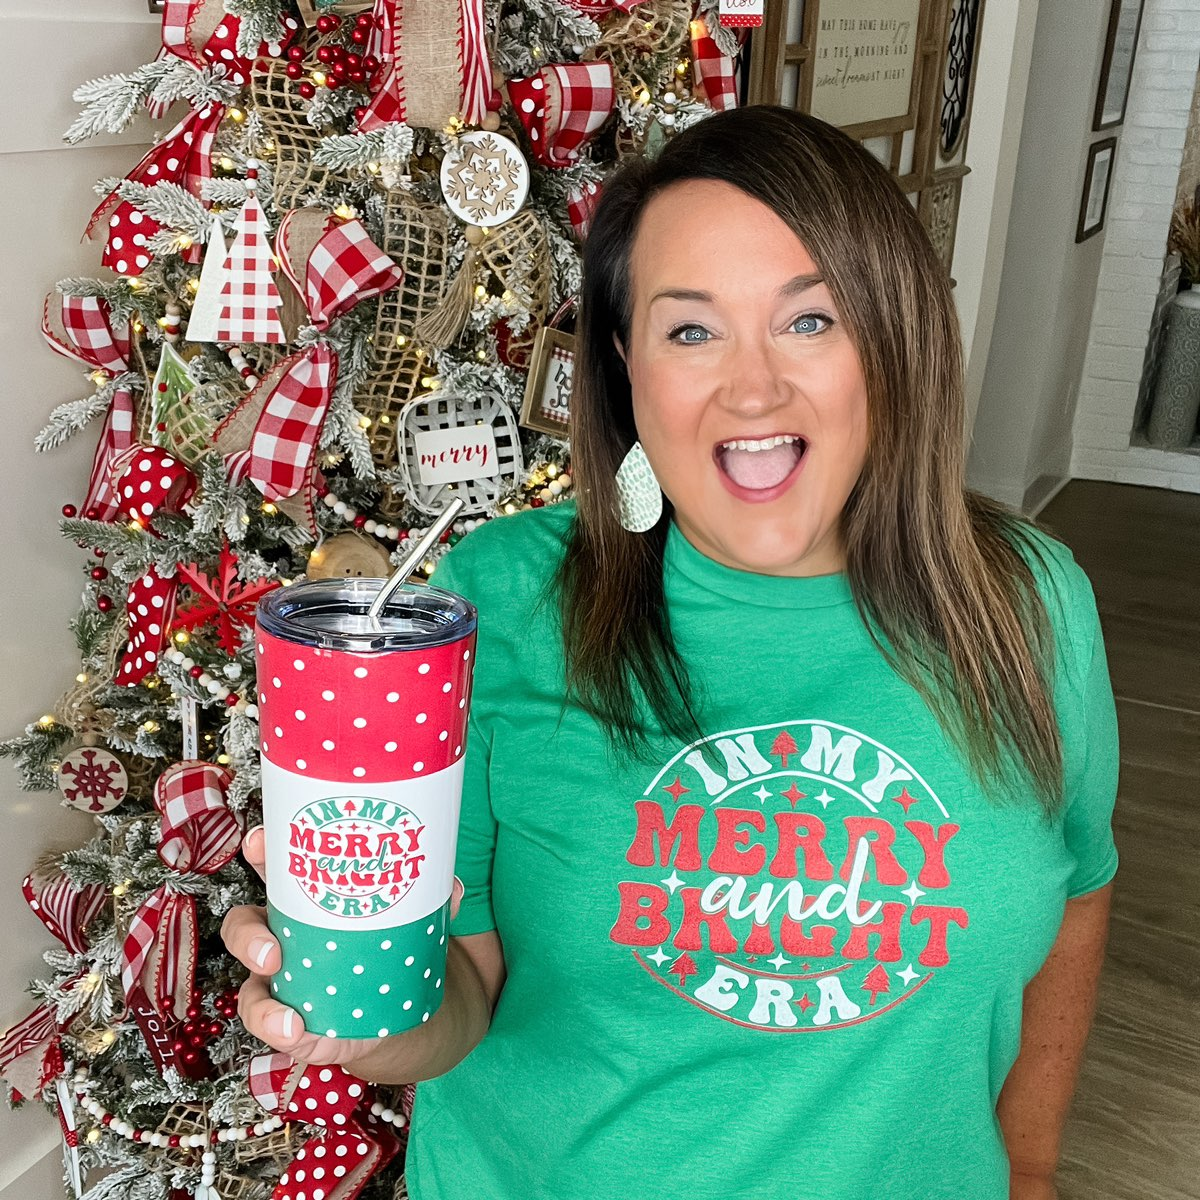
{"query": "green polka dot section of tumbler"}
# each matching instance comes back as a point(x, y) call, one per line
point(361, 983)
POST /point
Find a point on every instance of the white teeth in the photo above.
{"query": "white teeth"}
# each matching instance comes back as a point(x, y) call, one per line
point(761, 444)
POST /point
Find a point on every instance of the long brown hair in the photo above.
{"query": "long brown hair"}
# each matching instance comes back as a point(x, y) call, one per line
point(940, 575)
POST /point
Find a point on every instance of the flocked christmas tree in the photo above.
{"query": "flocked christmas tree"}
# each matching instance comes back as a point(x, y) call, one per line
point(344, 251)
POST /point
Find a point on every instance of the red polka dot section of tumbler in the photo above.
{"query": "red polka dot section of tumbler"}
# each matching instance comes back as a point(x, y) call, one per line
point(363, 718)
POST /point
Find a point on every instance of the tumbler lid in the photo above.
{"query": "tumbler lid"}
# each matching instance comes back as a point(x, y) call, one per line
point(332, 614)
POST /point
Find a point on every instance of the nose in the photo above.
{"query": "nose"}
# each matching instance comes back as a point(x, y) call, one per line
point(756, 382)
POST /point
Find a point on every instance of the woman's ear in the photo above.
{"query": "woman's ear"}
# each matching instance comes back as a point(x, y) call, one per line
point(620, 349)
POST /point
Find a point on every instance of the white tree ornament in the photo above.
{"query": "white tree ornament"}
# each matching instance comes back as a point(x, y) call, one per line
point(206, 308)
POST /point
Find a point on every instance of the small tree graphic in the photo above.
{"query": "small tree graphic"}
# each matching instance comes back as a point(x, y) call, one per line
point(876, 982)
point(783, 746)
point(683, 966)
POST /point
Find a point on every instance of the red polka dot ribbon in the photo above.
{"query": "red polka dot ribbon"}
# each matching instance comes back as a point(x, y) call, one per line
point(561, 107)
point(203, 33)
point(352, 1144)
point(148, 480)
point(199, 835)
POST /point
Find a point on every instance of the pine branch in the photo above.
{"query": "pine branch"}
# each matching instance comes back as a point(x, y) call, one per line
point(75, 415)
point(117, 294)
point(259, 23)
point(353, 151)
point(170, 205)
point(35, 753)
point(112, 101)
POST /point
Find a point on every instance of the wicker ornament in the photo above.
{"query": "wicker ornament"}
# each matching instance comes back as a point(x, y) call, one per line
point(92, 780)
point(348, 555)
point(634, 40)
point(438, 412)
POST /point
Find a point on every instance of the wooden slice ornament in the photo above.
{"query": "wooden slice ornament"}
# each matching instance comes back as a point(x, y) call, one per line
point(346, 556)
point(92, 780)
point(485, 178)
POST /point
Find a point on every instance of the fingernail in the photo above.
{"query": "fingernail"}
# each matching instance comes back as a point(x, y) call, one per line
point(259, 949)
point(289, 1023)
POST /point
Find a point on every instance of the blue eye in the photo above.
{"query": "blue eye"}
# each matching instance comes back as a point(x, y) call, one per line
point(811, 323)
point(688, 335)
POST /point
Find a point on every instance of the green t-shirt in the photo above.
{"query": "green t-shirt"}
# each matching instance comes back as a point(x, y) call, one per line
point(790, 961)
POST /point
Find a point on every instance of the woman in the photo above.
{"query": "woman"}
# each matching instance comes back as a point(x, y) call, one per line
point(786, 820)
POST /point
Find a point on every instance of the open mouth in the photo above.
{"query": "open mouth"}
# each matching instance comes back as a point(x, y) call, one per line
point(759, 468)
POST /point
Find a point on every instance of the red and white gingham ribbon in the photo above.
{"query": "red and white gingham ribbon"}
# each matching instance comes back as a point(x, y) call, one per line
point(199, 835)
point(183, 157)
point(116, 436)
point(355, 1144)
point(80, 328)
point(714, 72)
point(562, 106)
point(342, 268)
point(581, 207)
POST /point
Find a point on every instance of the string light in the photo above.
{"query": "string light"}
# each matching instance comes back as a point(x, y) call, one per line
point(225, 163)
point(46, 721)
point(151, 683)
point(99, 377)
point(344, 211)
point(81, 677)
point(193, 286)
point(223, 759)
point(182, 637)
point(319, 78)
point(401, 340)
point(151, 726)
point(236, 115)
point(480, 292)
point(269, 509)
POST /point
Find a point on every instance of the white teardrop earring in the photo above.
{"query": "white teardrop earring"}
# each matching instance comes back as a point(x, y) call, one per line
point(638, 493)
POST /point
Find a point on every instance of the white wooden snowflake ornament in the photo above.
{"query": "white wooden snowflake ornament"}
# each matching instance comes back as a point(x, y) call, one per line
point(485, 178)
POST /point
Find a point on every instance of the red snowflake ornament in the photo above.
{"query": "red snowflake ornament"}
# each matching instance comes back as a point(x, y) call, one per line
point(222, 600)
point(92, 780)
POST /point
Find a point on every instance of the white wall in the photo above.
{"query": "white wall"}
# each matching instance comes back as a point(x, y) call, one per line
point(1144, 187)
point(51, 46)
point(1021, 444)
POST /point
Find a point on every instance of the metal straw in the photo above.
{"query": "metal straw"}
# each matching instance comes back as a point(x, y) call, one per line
point(415, 557)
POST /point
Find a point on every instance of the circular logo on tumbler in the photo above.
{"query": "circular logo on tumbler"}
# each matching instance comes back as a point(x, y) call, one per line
point(355, 856)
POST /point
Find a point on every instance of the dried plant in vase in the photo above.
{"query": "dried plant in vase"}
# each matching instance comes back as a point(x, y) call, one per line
point(1184, 238)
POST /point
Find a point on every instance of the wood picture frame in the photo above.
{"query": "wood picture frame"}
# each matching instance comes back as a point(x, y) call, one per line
point(548, 387)
point(1116, 68)
point(1097, 183)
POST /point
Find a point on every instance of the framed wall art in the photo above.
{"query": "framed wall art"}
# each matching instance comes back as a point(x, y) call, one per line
point(1116, 68)
point(547, 406)
point(1097, 180)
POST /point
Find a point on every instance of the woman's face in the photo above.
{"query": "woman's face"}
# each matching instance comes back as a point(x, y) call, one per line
point(748, 394)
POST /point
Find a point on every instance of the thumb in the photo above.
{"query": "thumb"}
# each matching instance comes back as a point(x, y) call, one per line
point(456, 897)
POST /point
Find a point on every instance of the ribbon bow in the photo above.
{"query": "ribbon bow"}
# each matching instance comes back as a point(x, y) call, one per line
point(562, 106)
point(199, 835)
point(714, 72)
point(183, 157)
point(80, 328)
point(202, 33)
point(427, 77)
point(271, 437)
point(355, 1144)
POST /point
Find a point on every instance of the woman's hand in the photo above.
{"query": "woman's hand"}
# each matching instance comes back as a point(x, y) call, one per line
point(251, 942)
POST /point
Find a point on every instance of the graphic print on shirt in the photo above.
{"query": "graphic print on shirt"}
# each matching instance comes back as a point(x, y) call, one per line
point(790, 878)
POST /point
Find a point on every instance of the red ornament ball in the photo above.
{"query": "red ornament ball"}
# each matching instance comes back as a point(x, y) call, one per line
point(104, 603)
point(173, 1140)
point(294, 70)
point(69, 510)
point(325, 53)
point(307, 90)
point(360, 36)
point(106, 1119)
point(162, 387)
point(92, 513)
point(328, 23)
point(296, 53)
point(99, 573)
point(196, 672)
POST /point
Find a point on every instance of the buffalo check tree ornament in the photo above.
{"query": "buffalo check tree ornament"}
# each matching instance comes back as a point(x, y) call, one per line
point(222, 600)
point(206, 307)
point(250, 300)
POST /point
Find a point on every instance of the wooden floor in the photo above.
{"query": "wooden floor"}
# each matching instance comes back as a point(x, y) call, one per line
point(1135, 1128)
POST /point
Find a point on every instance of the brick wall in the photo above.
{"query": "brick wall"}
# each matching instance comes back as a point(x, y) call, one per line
point(1149, 156)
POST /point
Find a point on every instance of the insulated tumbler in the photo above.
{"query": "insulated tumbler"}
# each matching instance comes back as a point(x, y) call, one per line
point(363, 732)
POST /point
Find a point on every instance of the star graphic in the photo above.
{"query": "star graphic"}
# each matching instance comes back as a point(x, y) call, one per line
point(905, 800)
point(804, 967)
point(658, 957)
point(907, 975)
point(804, 1003)
point(913, 892)
point(792, 795)
point(825, 799)
point(779, 962)
point(673, 881)
point(676, 789)
point(762, 794)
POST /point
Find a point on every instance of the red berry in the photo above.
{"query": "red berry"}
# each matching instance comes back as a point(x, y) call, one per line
point(104, 603)
point(354, 60)
point(445, 537)
point(339, 53)
point(173, 1140)
point(99, 573)
point(195, 672)
point(107, 1119)
point(214, 1030)
point(92, 513)
point(99, 553)
point(357, 76)
point(333, 83)
point(294, 70)
point(536, 502)
point(360, 112)
point(371, 63)
point(232, 699)
point(161, 427)
point(296, 53)
point(359, 521)
point(162, 387)
point(328, 23)
point(364, 20)
point(325, 53)
point(307, 90)
point(360, 36)
point(69, 510)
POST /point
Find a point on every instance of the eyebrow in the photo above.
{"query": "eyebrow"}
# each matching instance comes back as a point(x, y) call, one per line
point(793, 287)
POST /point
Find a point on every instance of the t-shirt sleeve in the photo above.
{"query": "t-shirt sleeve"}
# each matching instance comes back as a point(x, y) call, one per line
point(477, 823)
point(1090, 750)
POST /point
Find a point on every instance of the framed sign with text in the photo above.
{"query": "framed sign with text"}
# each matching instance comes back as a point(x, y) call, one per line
point(547, 406)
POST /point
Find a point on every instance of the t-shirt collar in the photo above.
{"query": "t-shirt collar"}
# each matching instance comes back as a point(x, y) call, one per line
point(769, 591)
